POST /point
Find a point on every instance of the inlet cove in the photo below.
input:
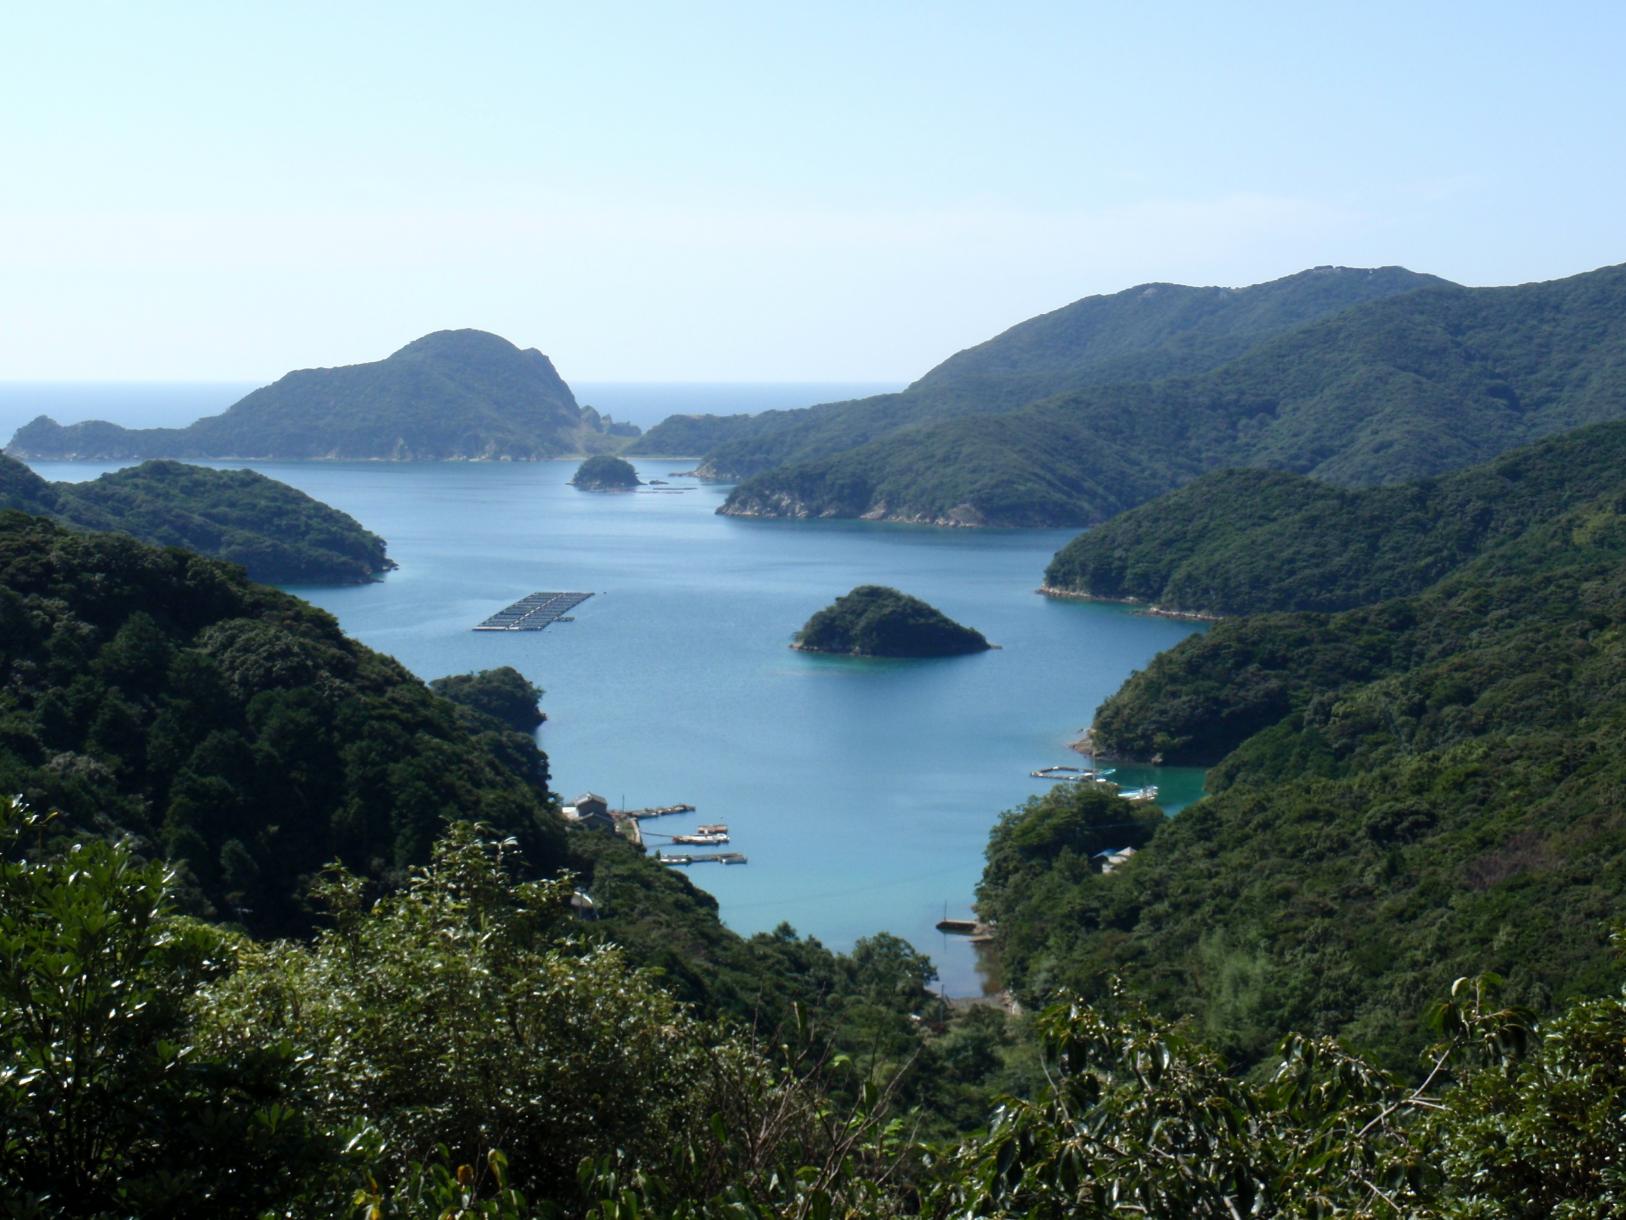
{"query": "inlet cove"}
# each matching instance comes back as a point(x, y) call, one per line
point(861, 789)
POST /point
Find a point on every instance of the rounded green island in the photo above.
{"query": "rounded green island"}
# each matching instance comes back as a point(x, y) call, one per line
point(606, 473)
point(875, 621)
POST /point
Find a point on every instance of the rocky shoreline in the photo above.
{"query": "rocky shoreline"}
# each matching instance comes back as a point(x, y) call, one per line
point(1190, 616)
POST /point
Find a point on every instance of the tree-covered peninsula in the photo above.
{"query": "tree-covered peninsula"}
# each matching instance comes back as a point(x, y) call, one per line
point(280, 534)
point(504, 694)
point(606, 472)
point(1245, 541)
point(1403, 386)
point(875, 621)
point(455, 395)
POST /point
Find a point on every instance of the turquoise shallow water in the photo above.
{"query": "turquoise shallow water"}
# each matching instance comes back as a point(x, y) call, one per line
point(862, 791)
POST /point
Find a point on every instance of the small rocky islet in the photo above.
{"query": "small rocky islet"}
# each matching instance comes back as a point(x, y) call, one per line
point(606, 473)
point(876, 621)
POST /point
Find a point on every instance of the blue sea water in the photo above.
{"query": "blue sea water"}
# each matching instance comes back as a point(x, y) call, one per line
point(861, 791)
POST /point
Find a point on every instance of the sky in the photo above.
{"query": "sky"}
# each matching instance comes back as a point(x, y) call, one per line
point(758, 192)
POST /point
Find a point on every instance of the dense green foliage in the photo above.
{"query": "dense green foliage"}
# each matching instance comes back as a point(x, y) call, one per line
point(399, 1015)
point(605, 472)
point(465, 1021)
point(1397, 388)
point(875, 621)
point(1403, 792)
point(1153, 330)
point(503, 694)
point(232, 727)
point(455, 1050)
point(454, 394)
point(105, 1109)
point(1243, 541)
point(281, 535)
point(1049, 844)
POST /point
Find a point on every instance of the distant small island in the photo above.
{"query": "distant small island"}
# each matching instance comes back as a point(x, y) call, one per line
point(454, 395)
point(606, 473)
point(875, 621)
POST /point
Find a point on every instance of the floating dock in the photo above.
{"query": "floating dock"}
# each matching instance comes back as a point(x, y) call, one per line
point(535, 612)
point(1072, 775)
point(715, 857)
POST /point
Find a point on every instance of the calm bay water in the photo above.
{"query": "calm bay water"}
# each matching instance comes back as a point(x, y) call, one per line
point(862, 791)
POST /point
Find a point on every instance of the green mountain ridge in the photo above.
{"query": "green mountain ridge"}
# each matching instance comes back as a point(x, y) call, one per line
point(1398, 388)
point(454, 395)
point(278, 533)
point(1151, 330)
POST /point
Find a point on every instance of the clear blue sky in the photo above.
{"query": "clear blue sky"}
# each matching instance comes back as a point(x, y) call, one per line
point(759, 191)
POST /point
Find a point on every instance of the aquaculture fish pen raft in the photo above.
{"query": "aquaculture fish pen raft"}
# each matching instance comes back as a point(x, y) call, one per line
point(534, 612)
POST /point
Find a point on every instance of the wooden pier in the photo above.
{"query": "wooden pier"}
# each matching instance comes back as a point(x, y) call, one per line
point(653, 811)
point(535, 612)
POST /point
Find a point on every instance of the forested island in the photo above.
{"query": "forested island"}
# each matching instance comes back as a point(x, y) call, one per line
point(454, 395)
point(875, 621)
point(605, 472)
point(281, 535)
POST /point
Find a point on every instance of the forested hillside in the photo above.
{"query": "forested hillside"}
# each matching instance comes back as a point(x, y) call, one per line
point(1404, 792)
point(451, 395)
point(231, 727)
point(1149, 331)
point(1399, 388)
point(281, 535)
